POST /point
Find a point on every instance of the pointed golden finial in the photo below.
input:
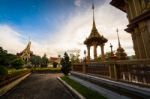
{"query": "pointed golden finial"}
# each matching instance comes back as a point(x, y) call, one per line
point(29, 43)
point(93, 16)
point(118, 38)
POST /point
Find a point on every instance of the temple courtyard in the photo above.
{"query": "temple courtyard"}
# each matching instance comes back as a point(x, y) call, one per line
point(39, 86)
point(80, 61)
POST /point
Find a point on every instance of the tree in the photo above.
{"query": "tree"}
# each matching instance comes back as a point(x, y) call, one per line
point(107, 55)
point(18, 63)
point(99, 58)
point(6, 59)
point(66, 64)
point(3, 71)
point(44, 61)
point(3, 54)
point(73, 58)
point(35, 60)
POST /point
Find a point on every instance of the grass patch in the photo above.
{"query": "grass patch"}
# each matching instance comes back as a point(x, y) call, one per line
point(46, 70)
point(13, 70)
point(86, 92)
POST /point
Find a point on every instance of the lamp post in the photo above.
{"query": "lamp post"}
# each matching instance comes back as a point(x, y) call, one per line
point(84, 63)
point(111, 46)
point(85, 55)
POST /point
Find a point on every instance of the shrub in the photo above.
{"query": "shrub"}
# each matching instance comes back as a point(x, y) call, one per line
point(18, 63)
point(66, 64)
point(3, 70)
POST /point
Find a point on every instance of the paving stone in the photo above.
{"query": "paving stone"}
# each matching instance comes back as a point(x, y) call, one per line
point(39, 86)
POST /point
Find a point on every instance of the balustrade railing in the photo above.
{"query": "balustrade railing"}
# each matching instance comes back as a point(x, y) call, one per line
point(135, 71)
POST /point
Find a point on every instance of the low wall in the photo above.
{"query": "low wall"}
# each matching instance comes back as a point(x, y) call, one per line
point(4, 80)
point(134, 71)
point(133, 91)
point(12, 84)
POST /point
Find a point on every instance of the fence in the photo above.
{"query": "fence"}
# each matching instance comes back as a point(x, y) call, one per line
point(135, 71)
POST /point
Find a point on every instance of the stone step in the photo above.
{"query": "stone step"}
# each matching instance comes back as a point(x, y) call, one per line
point(125, 89)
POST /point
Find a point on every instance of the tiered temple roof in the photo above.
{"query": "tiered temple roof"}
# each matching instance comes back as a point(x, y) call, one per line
point(95, 35)
point(95, 40)
point(26, 53)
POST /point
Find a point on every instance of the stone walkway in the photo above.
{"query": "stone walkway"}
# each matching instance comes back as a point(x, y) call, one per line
point(39, 86)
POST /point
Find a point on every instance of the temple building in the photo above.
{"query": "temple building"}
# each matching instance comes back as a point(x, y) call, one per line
point(138, 14)
point(95, 39)
point(26, 53)
point(57, 60)
point(120, 54)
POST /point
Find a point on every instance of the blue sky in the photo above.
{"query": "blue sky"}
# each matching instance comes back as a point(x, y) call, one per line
point(33, 17)
point(38, 18)
point(58, 25)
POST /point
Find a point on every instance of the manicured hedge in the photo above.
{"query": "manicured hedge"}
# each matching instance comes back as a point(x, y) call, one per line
point(5, 79)
point(3, 71)
point(46, 70)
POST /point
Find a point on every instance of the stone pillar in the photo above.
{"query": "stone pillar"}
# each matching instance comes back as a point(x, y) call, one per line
point(115, 72)
point(95, 52)
point(88, 56)
point(102, 52)
point(110, 71)
point(141, 44)
point(84, 67)
point(130, 78)
point(134, 39)
point(138, 44)
point(145, 35)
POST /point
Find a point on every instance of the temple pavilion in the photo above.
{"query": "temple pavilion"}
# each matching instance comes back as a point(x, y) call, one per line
point(95, 39)
point(26, 53)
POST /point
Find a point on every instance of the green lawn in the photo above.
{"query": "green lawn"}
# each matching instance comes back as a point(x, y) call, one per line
point(48, 69)
point(13, 70)
point(86, 92)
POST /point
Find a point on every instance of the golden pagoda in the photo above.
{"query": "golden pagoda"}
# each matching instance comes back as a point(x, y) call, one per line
point(121, 55)
point(95, 39)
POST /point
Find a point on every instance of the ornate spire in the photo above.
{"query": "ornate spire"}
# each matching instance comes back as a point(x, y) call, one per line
point(121, 55)
point(94, 25)
point(119, 45)
point(28, 46)
point(95, 35)
point(26, 53)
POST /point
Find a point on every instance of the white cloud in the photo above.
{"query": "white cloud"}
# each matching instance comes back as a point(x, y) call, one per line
point(9, 39)
point(77, 2)
point(73, 33)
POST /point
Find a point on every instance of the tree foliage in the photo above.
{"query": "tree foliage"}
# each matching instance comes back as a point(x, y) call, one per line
point(18, 63)
point(3, 70)
point(66, 64)
point(107, 57)
point(7, 59)
point(35, 60)
point(44, 61)
point(75, 57)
